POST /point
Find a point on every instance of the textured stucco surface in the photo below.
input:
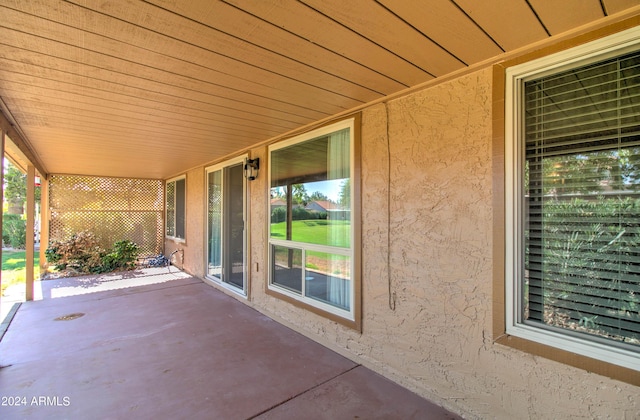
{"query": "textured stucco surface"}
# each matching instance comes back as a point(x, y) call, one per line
point(438, 144)
point(427, 273)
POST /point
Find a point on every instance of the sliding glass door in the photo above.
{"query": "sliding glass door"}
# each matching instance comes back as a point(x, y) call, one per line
point(226, 233)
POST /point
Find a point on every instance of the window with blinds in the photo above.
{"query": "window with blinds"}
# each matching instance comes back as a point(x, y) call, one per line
point(580, 202)
point(175, 208)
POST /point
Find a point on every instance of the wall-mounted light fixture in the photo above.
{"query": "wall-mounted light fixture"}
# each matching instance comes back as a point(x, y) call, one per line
point(251, 167)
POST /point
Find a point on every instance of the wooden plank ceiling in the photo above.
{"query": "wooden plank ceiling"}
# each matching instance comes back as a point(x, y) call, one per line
point(152, 88)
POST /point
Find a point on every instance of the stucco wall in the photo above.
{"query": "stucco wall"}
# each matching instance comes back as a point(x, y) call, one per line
point(427, 224)
point(436, 335)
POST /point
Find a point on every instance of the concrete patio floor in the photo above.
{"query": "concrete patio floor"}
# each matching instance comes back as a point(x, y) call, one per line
point(170, 346)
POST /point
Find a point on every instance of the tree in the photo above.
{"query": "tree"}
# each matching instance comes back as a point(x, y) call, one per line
point(279, 192)
point(318, 196)
point(15, 189)
point(345, 194)
point(586, 173)
point(300, 195)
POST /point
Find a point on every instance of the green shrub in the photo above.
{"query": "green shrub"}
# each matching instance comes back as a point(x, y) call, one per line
point(123, 256)
point(278, 215)
point(300, 213)
point(83, 254)
point(14, 231)
point(583, 242)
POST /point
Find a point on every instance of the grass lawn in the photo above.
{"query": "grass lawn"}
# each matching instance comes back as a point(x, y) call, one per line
point(14, 268)
point(319, 232)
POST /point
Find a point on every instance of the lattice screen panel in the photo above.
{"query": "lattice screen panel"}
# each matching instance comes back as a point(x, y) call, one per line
point(112, 208)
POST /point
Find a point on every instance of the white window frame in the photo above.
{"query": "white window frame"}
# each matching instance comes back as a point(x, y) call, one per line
point(608, 47)
point(173, 237)
point(220, 167)
point(349, 315)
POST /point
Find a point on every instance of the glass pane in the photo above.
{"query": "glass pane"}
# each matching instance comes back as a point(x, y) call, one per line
point(214, 215)
point(234, 225)
point(582, 199)
point(171, 209)
point(181, 192)
point(328, 278)
point(311, 191)
point(225, 212)
point(286, 268)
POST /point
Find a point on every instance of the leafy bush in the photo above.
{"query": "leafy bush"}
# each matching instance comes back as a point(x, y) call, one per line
point(83, 254)
point(300, 213)
point(123, 256)
point(14, 231)
point(590, 250)
point(279, 214)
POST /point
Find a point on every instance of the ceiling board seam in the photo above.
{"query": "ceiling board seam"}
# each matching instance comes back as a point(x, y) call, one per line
point(194, 46)
point(261, 48)
point(156, 101)
point(173, 86)
point(202, 134)
point(289, 103)
point(423, 34)
point(371, 41)
point(267, 114)
point(478, 26)
point(142, 107)
point(117, 40)
point(106, 118)
point(533, 10)
point(290, 58)
point(154, 68)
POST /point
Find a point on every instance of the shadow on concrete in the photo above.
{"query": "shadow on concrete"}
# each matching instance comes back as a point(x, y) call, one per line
point(179, 349)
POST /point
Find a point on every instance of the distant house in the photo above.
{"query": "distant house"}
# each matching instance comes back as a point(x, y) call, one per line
point(278, 202)
point(334, 211)
point(322, 205)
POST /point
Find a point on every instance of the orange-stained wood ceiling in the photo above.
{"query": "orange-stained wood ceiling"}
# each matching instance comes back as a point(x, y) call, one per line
point(152, 88)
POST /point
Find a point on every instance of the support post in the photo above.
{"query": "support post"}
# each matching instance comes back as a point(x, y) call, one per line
point(289, 222)
point(1, 192)
point(44, 221)
point(31, 179)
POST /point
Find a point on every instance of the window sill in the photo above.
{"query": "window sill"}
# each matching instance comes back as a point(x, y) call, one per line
point(275, 292)
point(175, 240)
point(579, 361)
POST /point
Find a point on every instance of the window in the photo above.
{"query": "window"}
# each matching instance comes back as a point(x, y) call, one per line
point(175, 208)
point(573, 200)
point(226, 232)
point(312, 239)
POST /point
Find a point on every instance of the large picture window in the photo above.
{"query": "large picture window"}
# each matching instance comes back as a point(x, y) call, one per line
point(175, 208)
point(573, 200)
point(311, 234)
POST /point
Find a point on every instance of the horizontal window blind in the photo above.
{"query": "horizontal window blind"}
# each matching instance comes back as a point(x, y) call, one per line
point(582, 201)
